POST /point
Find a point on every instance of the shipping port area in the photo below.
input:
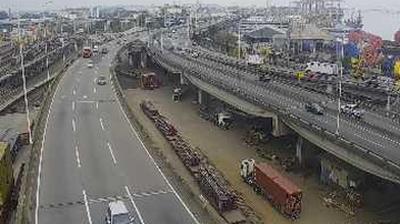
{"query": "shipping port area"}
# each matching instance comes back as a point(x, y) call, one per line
point(193, 113)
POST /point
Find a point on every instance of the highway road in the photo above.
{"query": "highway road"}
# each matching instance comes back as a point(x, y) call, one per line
point(91, 155)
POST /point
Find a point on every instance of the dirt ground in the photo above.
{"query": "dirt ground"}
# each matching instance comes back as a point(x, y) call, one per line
point(225, 149)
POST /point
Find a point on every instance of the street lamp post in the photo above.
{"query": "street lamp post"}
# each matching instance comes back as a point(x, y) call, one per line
point(239, 40)
point(24, 81)
point(340, 61)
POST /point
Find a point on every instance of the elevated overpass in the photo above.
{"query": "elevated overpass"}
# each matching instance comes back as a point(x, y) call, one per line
point(364, 146)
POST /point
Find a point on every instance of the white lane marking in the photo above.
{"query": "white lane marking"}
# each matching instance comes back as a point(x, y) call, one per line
point(84, 97)
point(41, 152)
point(97, 105)
point(101, 124)
point(73, 105)
point(78, 159)
point(112, 153)
point(73, 92)
point(157, 167)
point(134, 205)
point(73, 125)
point(87, 207)
point(94, 90)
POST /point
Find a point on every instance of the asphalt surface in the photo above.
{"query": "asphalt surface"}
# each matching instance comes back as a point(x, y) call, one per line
point(375, 132)
point(92, 156)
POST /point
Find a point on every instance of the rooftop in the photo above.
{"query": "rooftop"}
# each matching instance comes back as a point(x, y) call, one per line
point(118, 207)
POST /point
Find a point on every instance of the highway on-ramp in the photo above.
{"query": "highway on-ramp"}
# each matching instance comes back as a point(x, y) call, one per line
point(91, 155)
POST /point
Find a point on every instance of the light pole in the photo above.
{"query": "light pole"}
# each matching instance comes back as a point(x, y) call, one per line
point(340, 61)
point(28, 120)
point(239, 40)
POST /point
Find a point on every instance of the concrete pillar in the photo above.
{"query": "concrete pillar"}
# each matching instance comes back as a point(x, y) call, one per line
point(183, 80)
point(200, 96)
point(278, 127)
point(143, 59)
point(130, 55)
point(299, 150)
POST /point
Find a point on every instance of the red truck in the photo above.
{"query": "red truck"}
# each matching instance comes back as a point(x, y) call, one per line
point(150, 81)
point(283, 194)
point(87, 52)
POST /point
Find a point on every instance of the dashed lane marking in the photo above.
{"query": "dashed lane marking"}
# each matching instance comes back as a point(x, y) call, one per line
point(111, 152)
point(73, 125)
point(101, 124)
point(78, 160)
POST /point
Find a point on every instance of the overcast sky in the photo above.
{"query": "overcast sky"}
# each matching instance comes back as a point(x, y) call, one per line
point(37, 4)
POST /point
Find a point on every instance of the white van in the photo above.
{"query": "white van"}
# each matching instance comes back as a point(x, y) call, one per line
point(117, 213)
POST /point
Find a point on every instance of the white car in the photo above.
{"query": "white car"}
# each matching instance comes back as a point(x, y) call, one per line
point(90, 64)
point(117, 213)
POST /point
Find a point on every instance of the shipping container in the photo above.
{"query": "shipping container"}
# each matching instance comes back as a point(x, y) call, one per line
point(282, 192)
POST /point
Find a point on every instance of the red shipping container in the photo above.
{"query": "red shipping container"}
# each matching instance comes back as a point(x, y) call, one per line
point(282, 193)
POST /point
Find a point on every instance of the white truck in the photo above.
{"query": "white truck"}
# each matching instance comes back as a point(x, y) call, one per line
point(322, 68)
point(95, 49)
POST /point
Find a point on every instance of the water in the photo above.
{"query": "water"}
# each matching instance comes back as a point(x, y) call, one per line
point(381, 23)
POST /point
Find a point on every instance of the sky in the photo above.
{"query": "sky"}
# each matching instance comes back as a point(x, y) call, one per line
point(37, 4)
point(382, 23)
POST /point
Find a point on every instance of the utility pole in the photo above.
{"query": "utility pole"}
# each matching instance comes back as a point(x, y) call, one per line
point(47, 60)
point(28, 120)
point(340, 61)
point(239, 40)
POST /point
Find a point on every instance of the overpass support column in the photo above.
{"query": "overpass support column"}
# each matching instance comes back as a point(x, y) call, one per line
point(182, 79)
point(299, 150)
point(201, 97)
point(278, 127)
point(130, 55)
point(143, 59)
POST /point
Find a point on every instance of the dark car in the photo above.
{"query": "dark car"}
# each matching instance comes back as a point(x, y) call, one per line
point(314, 108)
point(104, 51)
point(101, 80)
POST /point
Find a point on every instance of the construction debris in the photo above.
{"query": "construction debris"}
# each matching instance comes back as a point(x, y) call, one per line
point(214, 187)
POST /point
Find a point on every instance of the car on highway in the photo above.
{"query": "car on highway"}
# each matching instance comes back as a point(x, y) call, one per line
point(90, 64)
point(101, 80)
point(314, 108)
point(95, 49)
point(117, 213)
point(352, 111)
